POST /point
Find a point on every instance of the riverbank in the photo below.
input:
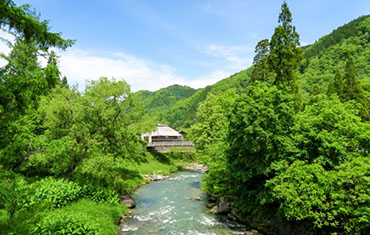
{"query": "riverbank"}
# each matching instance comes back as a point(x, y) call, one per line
point(268, 224)
point(156, 167)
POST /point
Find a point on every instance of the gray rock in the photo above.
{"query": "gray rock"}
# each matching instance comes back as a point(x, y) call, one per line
point(214, 210)
point(231, 217)
point(128, 201)
point(254, 232)
point(211, 204)
point(195, 167)
point(224, 206)
point(158, 177)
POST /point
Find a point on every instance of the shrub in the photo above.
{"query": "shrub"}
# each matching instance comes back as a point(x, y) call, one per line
point(82, 217)
point(98, 193)
point(57, 192)
point(336, 200)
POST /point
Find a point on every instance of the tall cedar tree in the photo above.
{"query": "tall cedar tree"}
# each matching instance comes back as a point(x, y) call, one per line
point(284, 54)
point(336, 86)
point(352, 89)
point(260, 69)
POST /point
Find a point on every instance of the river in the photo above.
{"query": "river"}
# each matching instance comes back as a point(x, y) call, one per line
point(167, 207)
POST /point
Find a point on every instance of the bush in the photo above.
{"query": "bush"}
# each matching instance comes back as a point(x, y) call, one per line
point(56, 192)
point(336, 200)
point(178, 154)
point(82, 217)
point(97, 193)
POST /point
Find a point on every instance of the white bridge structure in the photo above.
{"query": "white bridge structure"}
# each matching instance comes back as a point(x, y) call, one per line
point(164, 139)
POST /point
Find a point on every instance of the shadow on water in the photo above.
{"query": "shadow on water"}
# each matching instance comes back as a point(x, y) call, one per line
point(195, 184)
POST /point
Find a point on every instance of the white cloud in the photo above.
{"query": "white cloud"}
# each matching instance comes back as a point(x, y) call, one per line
point(79, 66)
point(209, 79)
point(236, 57)
point(305, 44)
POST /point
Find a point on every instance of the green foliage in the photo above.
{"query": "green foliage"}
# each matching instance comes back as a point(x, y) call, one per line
point(54, 192)
point(338, 35)
point(336, 200)
point(216, 180)
point(325, 57)
point(22, 83)
point(303, 190)
point(308, 166)
point(17, 217)
point(25, 22)
point(258, 136)
point(165, 97)
point(327, 131)
point(66, 156)
point(89, 136)
point(212, 121)
point(183, 113)
point(209, 134)
point(82, 217)
point(98, 193)
point(260, 69)
point(285, 54)
point(336, 86)
point(351, 87)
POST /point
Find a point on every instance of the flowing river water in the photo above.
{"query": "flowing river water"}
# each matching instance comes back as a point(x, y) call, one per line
point(167, 207)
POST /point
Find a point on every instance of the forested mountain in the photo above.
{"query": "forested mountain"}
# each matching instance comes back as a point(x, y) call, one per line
point(317, 68)
point(182, 113)
point(165, 97)
point(323, 58)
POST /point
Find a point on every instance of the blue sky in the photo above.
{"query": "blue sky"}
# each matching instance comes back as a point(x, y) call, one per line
point(155, 43)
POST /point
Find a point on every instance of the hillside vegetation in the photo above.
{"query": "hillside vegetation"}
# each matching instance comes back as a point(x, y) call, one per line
point(292, 150)
point(182, 113)
point(317, 68)
point(164, 98)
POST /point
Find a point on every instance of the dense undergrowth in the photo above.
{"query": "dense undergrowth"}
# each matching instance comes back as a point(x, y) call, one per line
point(54, 205)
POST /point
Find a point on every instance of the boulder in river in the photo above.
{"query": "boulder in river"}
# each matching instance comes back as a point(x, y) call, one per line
point(224, 206)
point(214, 210)
point(211, 204)
point(158, 177)
point(128, 201)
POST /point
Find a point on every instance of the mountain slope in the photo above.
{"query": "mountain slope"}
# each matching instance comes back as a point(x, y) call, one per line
point(330, 52)
point(317, 68)
point(183, 113)
point(164, 98)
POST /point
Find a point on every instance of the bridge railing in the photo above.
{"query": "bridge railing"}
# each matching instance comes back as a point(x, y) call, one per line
point(182, 143)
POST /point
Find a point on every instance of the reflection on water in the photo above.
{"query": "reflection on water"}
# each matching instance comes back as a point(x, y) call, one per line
point(167, 207)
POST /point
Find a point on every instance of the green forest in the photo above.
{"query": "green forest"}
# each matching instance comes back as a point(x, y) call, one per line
point(287, 138)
